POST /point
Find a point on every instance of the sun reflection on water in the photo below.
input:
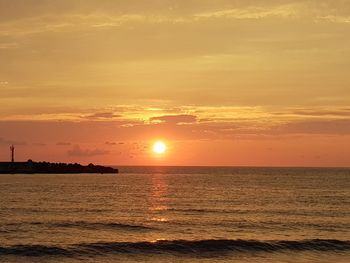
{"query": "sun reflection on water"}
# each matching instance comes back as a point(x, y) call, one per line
point(158, 198)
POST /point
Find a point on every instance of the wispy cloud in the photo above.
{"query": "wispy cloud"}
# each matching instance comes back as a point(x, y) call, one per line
point(102, 116)
point(330, 127)
point(39, 144)
point(8, 45)
point(335, 19)
point(174, 119)
point(75, 20)
point(4, 141)
point(284, 11)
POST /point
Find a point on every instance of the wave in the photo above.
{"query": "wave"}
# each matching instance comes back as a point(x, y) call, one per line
point(177, 246)
point(201, 210)
point(312, 213)
point(98, 225)
point(85, 225)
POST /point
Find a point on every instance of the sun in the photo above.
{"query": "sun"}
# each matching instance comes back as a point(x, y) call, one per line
point(159, 147)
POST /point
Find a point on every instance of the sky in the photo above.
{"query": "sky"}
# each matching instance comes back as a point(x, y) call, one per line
point(221, 82)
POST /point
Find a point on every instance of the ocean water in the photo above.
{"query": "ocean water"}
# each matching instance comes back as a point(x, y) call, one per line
point(177, 214)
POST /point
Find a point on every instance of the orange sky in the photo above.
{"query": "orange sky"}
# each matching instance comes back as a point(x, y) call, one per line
point(251, 82)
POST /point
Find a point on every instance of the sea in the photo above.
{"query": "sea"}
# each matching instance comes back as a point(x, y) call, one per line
point(177, 214)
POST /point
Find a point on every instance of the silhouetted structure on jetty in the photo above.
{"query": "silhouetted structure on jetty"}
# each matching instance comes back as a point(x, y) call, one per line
point(31, 167)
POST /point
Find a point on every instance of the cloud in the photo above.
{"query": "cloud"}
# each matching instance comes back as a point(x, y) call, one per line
point(39, 144)
point(318, 113)
point(102, 115)
point(77, 151)
point(336, 112)
point(63, 144)
point(331, 127)
point(180, 62)
point(174, 119)
point(8, 45)
point(252, 12)
point(4, 141)
point(111, 143)
point(336, 19)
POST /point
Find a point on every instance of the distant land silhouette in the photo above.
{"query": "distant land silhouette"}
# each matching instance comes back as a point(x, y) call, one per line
point(31, 167)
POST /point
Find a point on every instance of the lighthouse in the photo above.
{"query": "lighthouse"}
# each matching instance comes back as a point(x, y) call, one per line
point(12, 148)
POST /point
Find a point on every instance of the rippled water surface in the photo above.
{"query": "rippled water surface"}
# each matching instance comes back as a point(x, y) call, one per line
point(177, 214)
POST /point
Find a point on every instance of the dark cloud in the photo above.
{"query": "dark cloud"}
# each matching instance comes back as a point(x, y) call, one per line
point(175, 119)
point(78, 151)
point(63, 144)
point(111, 143)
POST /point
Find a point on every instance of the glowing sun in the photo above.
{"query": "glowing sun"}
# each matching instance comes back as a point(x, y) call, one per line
point(159, 147)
